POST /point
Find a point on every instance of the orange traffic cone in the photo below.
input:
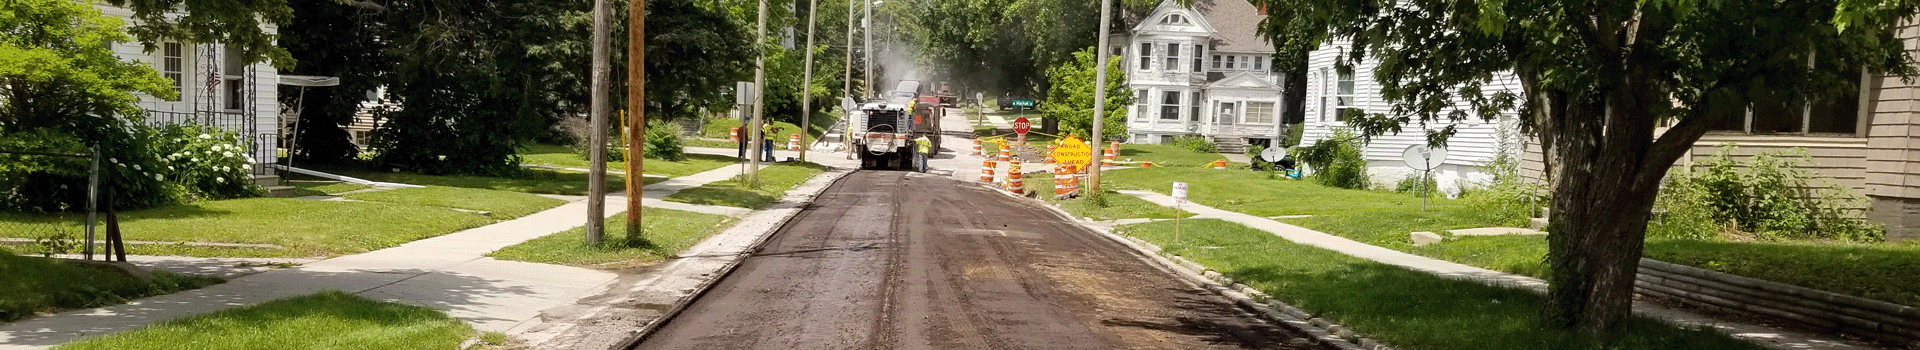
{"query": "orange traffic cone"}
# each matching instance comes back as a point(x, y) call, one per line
point(986, 171)
point(976, 147)
point(1006, 154)
point(793, 142)
point(1016, 182)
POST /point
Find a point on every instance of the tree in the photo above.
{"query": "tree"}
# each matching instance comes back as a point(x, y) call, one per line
point(1597, 78)
point(1006, 46)
point(333, 40)
point(235, 24)
point(62, 90)
point(1071, 99)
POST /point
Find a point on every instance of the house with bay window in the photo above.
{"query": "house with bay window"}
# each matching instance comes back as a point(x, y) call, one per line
point(1202, 71)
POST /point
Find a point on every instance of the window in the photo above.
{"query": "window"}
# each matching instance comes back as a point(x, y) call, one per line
point(1259, 113)
point(1146, 55)
point(1793, 115)
point(173, 65)
point(1175, 19)
point(1246, 62)
point(1226, 114)
point(1216, 62)
point(1230, 59)
point(1343, 104)
point(1140, 103)
point(236, 93)
point(1170, 105)
point(1259, 63)
point(1194, 107)
point(1173, 57)
point(1196, 59)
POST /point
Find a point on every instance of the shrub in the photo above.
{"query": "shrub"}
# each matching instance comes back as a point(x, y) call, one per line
point(1769, 196)
point(1337, 161)
point(1195, 143)
point(1509, 199)
point(1253, 152)
point(1420, 185)
point(144, 167)
point(210, 163)
point(663, 142)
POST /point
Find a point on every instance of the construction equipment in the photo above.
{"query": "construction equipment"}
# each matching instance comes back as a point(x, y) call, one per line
point(884, 130)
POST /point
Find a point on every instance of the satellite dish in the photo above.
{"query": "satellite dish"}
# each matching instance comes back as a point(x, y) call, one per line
point(1273, 154)
point(1421, 158)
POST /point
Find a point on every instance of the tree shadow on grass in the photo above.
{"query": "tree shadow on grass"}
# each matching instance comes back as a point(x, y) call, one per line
point(731, 197)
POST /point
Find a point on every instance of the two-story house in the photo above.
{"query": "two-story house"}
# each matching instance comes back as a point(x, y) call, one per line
point(1203, 71)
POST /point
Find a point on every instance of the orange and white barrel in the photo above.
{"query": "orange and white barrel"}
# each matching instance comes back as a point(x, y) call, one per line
point(1219, 163)
point(986, 171)
point(976, 147)
point(1049, 159)
point(1146, 164)
point(1006, 153)
point(793, 142)
point(1106, 158)
point(733, 134)
point(1016, 182)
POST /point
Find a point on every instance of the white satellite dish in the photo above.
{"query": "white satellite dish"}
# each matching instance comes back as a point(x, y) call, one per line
point(1421, 158)
point(1273, 154)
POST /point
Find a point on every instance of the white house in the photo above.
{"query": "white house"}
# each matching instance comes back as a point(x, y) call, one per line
point(1202, 70)
point(216, 89)
point(1475, 143)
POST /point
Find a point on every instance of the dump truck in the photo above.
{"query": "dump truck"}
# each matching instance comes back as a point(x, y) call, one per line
point(884, 130)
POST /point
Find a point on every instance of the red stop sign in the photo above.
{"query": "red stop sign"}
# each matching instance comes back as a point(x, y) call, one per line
point(1021, 125)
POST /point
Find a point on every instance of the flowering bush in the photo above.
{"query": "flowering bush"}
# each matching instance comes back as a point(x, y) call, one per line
point(210, 163)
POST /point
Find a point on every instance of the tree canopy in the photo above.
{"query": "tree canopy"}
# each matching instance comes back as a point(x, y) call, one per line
point(239, 25)
point(1598, 78)
point(1070, 101)
point(1007, 46)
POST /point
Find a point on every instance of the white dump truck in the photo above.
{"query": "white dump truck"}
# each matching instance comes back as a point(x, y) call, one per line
point(882, 133)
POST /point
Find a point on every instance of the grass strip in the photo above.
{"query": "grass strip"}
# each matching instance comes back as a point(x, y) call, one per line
point(1876, 271)
point(303, 188)
point(666, 232)
point(503, 205)
point(327, 320)
point(1173, 157)
point(541, 181)
point(774, 182)
point(33, 285)
point(564, 156)
point(304, 227)
point(1403, 308)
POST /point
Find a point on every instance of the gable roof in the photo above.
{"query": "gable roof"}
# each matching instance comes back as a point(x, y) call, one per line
point(1151, 23)
point(1235, 23)
point(1244, 80)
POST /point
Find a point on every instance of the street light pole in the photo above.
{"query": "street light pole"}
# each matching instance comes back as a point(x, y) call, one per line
point(759, 94)
point(847, 81)
point(636, 110)
point(1099, 96)
point(806, 83)
point(597, 116)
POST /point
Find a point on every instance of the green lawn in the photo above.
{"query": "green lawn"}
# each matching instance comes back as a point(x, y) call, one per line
point(304, 188)
point(304, 227)
point(719, 129)
point(1173, 156)
point(527, 180)
point(502, 204)
point(774, 182)
point(1877, 271)
point(564, 156)
point(33, 285)
point(327, 320)
point(666, 233)
point(1403, 308)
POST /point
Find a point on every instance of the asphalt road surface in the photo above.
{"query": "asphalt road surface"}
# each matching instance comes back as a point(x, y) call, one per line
point(899, 260)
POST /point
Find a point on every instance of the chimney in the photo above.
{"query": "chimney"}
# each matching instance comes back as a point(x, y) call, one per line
point(1263, 8)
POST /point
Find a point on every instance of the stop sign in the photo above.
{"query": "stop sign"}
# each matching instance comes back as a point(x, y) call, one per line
point(1021, 125)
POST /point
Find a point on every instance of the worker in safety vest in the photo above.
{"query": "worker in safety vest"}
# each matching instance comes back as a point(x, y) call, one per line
point(922, 147)
point(766, 146)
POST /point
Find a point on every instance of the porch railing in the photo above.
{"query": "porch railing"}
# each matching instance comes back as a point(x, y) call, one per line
point(264, 146)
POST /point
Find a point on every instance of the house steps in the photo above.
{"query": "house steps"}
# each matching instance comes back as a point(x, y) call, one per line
point(1230, 145)
point(274, 186)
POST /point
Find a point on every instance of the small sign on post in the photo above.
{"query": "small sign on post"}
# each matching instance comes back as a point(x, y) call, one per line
point(1179, 197)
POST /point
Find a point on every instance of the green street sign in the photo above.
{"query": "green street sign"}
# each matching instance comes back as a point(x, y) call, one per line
point(1023, 103)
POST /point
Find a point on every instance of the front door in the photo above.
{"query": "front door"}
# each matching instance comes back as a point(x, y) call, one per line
point(1226, 114)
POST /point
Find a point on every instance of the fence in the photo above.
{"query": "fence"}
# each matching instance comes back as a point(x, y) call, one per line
point(264, 146)
point(1867, 318)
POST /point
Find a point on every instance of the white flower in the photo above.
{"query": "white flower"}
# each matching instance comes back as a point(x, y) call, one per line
point(228, 154)
point(137, 167)
point(205, 136)
point(220, 179)
point(156, 177)
point(113, 160)
point(443, 157)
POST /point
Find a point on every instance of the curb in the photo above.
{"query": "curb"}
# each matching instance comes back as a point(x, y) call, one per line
point(1320, 330)
point(577, 334)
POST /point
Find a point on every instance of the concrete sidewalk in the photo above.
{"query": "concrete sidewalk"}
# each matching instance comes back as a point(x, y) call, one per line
point(449, 272)
point(1764, 335)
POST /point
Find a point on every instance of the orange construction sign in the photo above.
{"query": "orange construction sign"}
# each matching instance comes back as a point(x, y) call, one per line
point(1073, 151)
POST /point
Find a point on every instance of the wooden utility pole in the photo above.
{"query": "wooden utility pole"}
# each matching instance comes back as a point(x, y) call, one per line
point(806, 84)
point(636, 110)
point(1099, 96)
point(759, 94)
point(846, 83)
point(866, 29)
point(597, 117)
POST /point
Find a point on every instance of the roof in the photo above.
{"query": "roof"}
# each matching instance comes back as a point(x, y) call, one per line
point(1236, 25)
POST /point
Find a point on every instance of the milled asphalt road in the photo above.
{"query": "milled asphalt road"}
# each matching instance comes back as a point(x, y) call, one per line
point(889, 259)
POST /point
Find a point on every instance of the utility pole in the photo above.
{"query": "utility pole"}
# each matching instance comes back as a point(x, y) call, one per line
point(597, 149)
point(1099, 95)
point(636, 110)
point(806, 84)
point(759, 94)
point(847, 81)
point(867, 30)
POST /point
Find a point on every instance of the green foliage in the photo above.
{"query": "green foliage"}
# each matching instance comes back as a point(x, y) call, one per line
point(1253, 152)
point(237, 25)
point(1769, 196)
point(1004, 46)
point(324, 320)
point(1195, 143)
point(1509, 197)
point(1337, 161)
point(663, 142)
point(332, 40)
point(1295, 132)
point(1422, 185)
point(208, 161)
point(1070, 100)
